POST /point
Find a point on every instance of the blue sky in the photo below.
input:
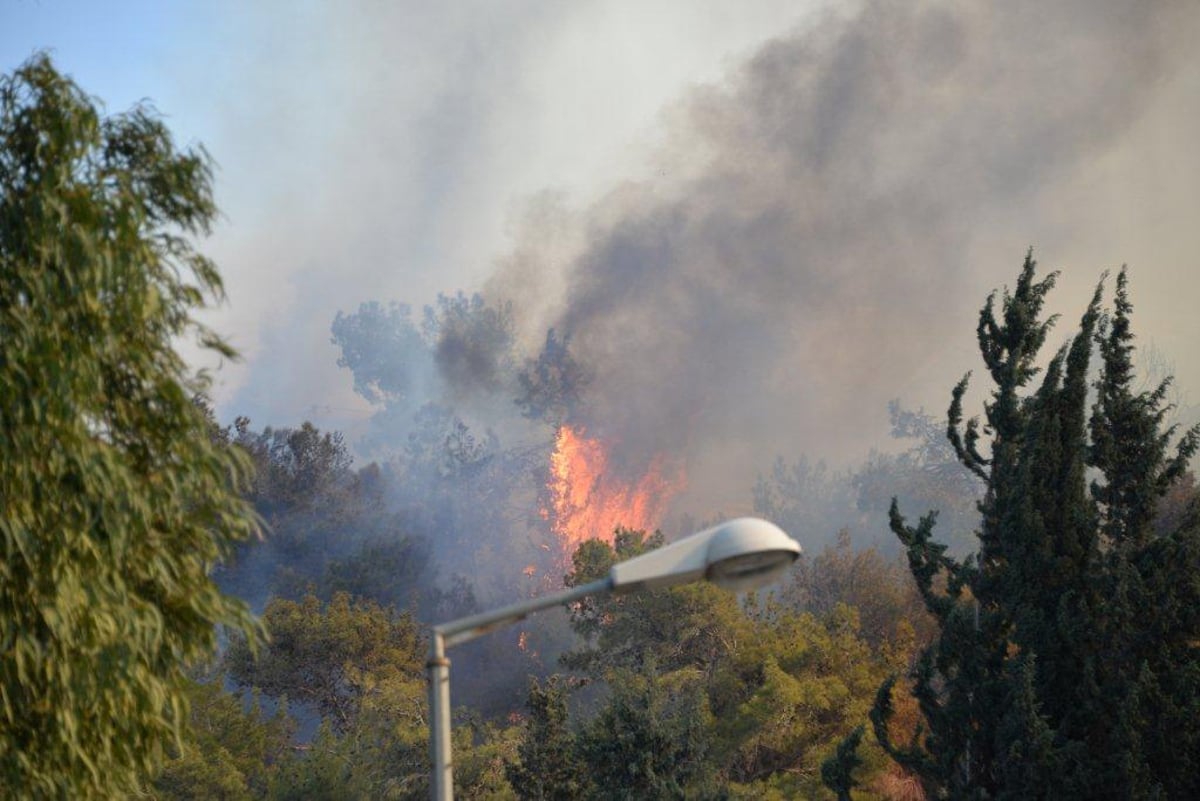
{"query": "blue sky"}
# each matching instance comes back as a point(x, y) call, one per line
point(121, 52)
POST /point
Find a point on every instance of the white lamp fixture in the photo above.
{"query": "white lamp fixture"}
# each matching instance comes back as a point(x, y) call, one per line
point(739, 555)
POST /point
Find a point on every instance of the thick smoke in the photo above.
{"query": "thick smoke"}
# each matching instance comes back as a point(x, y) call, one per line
point(818, 230)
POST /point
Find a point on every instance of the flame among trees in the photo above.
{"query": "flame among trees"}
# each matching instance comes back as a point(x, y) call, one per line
point(751, 698)
point(720, 687)
point(589, 500)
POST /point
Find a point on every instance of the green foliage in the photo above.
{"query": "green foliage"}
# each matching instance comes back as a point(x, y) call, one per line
point(346, 657)
point(483, 753)
point(652, 739)
point(882, 590)
point(232, 752)
point(1129, 442)
point(1045, 678)
point(709, 697)
point(361, 666)
point(391, 572)
point(328, 526)
point(117, 502)
point(837, 771)
point(325, 772)
point(795, 686)
point(549, 768)
point(1027, 760)
point(298, 470)
point(687, 626)
point(1150, 570)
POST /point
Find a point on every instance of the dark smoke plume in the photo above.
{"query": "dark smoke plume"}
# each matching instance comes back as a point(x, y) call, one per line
point(822, 226)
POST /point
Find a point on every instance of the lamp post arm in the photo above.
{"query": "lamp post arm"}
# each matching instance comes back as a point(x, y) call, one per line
point(463, 630)
point(468, 628)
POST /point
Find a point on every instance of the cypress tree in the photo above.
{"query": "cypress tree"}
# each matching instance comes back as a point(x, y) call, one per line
point(836, 771)
point(1151, 630)
point(1066, 661)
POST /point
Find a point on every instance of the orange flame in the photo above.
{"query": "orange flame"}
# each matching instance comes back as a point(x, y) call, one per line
point(588, 502)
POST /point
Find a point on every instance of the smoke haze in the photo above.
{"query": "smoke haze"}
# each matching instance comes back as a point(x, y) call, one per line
point(753, 270)
point(755, 223)
point(380, 151)
point(823, 227)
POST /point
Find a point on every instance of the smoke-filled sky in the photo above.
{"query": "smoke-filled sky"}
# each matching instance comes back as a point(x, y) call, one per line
point(758, 221)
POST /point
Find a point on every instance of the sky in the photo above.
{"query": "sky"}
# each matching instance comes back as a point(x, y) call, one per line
point(758, 220)
point(372, 150)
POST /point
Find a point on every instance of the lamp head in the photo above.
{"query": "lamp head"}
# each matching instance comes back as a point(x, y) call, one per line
point(748, 553)
point(739, 555)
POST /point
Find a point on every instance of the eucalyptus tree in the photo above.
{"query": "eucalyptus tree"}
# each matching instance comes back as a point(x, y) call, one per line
point(116, 501)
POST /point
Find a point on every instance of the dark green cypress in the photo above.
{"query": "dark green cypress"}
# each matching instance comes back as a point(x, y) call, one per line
point(1151, 625)
point(1027, 764)
point(836, 772)
point(1065, 664)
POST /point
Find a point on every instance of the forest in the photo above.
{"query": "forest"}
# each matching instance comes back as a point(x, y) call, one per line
point(995, 606)
point(853, 678)
point(962, 664)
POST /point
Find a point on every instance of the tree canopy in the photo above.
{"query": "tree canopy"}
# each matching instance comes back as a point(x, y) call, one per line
point(117, 503)
point(1066, 663)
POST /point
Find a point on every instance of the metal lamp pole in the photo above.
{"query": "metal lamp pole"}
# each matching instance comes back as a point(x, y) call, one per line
point(464, 630)
point(740, 555)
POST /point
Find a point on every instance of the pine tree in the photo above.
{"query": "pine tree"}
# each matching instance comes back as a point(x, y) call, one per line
point(549, 768)
point(1066, 661)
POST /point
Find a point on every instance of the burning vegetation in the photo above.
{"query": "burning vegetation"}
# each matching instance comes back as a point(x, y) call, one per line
point(589, 500)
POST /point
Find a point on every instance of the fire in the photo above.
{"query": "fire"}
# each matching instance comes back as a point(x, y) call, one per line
point(587, 501)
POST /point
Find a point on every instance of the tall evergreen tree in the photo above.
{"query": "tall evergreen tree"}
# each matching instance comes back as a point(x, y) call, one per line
point(549, 768)
point(1066, 656)
point(1152, 631)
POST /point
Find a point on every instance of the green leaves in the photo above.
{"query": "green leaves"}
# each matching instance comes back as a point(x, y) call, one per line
point(549, 768)
point(116, 502)
point(342, 656)
point(710, 697)
point(360, 665)
point(1036, 685)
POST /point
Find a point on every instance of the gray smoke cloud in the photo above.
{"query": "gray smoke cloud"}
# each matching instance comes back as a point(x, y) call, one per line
point(819, 232)
point(375, 151)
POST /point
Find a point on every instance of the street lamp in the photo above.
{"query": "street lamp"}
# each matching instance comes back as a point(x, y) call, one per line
point(739, 555)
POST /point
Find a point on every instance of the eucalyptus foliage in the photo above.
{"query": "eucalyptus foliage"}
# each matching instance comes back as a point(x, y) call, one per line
point(116, 501)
